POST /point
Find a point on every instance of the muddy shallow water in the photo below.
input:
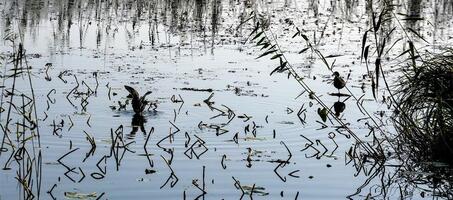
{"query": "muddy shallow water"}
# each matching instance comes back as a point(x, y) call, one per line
point(221, 127)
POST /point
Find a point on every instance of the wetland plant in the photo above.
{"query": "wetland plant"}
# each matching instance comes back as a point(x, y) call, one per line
point(424, 120)
point(424, 124)
point(422, 104)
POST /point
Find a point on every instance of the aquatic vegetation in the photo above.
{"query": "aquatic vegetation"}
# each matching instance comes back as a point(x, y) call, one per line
point(424, 119)
point(224, 127)
point(437, 143)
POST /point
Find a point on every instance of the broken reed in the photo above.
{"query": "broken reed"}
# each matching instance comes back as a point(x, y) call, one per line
point(264, 38)
point(434, 125)
point(380, 31)
point(21, 122)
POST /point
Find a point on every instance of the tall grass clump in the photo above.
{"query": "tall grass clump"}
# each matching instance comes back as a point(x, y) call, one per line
point(424, 120)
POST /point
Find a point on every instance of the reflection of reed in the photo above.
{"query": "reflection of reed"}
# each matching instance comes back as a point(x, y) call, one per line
point(204, 18)
point(369, 158)
point(421, 151)
point(208, 16)
point(23, 151)
point(179, 16)
point(414, 13)
point(411, 179)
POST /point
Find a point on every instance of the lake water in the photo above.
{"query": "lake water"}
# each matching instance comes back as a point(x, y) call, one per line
point(220, 127)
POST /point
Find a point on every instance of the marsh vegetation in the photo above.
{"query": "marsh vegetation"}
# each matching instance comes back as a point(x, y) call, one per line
point(217, 99)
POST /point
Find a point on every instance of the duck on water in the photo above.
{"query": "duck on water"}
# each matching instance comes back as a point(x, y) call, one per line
point(138, 103)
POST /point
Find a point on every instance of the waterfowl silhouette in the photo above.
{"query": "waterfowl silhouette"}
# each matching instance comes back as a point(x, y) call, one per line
point(338, 82)
point(138, 103)
point(138, 121)
point(339, 107)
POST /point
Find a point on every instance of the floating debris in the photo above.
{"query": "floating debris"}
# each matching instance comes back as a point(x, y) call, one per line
point(254, 190)
point(78, 195)
point(198, 89)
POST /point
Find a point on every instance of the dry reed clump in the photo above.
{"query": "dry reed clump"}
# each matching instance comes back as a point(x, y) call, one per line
point(424, 120)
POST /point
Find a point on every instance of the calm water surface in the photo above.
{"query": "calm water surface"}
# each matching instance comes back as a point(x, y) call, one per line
point(222, 125)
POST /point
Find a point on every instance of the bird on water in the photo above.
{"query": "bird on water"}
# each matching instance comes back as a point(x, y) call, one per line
point(338, 82)
point(138, 103)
